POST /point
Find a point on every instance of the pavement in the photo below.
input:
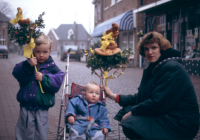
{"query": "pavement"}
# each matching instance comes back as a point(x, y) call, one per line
point(9, 109)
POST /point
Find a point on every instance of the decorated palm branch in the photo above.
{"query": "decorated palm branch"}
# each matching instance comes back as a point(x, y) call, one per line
point(108, 56)
point(26, 33)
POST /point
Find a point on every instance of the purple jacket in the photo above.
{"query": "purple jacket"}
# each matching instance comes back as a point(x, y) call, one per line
point(28, 94)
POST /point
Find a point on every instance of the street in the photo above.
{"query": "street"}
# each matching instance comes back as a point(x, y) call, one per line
point(79, 74)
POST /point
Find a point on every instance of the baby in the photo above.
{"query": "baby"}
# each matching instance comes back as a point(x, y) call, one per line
point(86, 115)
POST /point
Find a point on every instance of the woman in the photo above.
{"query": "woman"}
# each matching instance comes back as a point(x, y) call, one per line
point(165, 106)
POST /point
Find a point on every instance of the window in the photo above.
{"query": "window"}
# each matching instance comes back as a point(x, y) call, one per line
point(124, 41)
point(82, 46)
point(95, 14)
point(112, 2)
point(106, 4)
point(66, 43)
point(51, 38)
point(162, 19)
point(130, 40)
point(99, 10)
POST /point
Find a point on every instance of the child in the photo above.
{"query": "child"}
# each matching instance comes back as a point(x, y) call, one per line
point(34, 105)
point(87, 115)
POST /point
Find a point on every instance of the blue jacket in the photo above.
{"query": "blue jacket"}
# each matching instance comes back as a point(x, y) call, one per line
point(78, 106)
point(29, 92)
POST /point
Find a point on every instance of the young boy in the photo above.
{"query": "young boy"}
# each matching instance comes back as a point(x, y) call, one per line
point(86, 115)
point(34, 105)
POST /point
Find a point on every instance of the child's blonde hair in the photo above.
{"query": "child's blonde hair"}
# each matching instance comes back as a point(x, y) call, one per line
point(43, 39)
point(91, 83)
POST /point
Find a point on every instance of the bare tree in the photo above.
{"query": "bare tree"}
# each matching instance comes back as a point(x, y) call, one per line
point(5, 8)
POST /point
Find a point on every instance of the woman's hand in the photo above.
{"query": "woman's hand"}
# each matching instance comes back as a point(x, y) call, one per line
point(126, 115)
point(71, 120)
point(38, 76)
point(109, 93)
point(104, 130)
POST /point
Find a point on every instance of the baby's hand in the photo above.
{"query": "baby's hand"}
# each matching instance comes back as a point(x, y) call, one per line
point(104, 130)
point(38, 76)
point(33, 61)
point(71, 120)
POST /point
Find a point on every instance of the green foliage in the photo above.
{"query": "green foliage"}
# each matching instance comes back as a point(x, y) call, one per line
point(21, 35)
point(108, 62)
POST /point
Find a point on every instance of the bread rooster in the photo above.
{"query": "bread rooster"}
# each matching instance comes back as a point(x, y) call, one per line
point(108, 45)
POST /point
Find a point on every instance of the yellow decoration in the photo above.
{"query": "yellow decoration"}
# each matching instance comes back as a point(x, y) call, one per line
point(28, 49)
point(106, 40)
point(19, 16)
point(28, 36)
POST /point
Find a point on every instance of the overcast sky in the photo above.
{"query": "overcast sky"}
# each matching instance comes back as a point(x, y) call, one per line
point(57, 12)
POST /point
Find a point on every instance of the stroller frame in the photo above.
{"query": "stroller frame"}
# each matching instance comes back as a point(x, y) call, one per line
point(61, 131)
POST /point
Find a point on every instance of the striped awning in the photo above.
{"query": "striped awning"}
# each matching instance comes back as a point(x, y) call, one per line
point(125, 22)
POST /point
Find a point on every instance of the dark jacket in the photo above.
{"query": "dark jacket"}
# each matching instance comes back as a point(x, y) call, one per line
point(165, 106)
point(29, 94)
point(78, 106)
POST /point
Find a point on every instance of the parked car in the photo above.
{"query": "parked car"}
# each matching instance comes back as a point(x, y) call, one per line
point(4, 51)
point(74, 53)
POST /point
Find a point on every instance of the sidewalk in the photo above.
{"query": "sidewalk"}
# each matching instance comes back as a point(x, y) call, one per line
point(10, 107)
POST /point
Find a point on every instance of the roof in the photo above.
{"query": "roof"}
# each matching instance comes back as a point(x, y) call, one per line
point(3, 17)
point(62, 31)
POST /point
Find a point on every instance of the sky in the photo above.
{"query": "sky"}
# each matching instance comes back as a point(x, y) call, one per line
point(57, 12)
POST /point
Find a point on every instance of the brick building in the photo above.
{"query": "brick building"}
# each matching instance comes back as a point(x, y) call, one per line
point(121, 12)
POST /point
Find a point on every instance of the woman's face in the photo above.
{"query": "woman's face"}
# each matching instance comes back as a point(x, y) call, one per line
point(152, 52)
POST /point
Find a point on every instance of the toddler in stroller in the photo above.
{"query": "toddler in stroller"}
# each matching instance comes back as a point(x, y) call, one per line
point(86, 115)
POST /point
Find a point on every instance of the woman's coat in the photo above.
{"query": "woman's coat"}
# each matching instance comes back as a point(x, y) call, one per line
point(165, 107)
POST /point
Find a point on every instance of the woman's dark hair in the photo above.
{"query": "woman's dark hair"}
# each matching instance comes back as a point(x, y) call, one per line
point(153, 37)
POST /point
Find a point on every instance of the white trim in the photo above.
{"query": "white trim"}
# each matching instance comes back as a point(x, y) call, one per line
point(55, 35)
point(106, 8)
point(119, 1)
point(154, 4)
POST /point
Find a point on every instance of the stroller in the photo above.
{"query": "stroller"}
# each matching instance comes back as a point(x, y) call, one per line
point(75, 90)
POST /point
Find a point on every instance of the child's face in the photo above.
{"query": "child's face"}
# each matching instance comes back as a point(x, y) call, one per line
point(42, 52)
point(92, 93)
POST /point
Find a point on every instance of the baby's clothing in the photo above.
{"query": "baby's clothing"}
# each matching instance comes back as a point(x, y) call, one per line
point(78, 106)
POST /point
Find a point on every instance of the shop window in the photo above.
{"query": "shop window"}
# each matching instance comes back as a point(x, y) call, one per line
point(124, 41)
point(130, 40)
point(162, 19)
point(66, 43)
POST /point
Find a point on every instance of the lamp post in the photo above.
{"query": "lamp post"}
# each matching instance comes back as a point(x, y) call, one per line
point(3, 26)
